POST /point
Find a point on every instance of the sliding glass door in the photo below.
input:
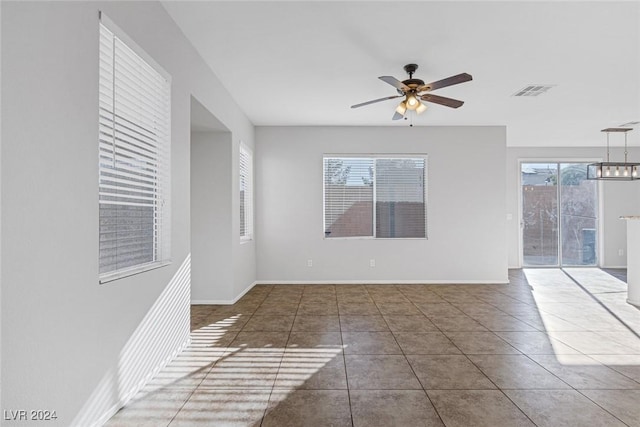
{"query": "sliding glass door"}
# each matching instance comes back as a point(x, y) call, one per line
point(559, 215)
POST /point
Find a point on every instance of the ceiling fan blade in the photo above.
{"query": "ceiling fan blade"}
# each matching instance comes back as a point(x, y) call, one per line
point(448, 102)
point(449, 81)
point(376, 100)
point(395, 83)
point(397, 116)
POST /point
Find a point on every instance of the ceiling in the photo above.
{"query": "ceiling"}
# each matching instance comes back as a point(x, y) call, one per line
point(297, 63)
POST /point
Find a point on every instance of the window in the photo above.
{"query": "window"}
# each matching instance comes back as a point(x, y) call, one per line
point(246, 193)
point(375, 196)
point(134, 148)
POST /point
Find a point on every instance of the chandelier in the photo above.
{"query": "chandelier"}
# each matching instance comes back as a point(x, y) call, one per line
point(614, 171)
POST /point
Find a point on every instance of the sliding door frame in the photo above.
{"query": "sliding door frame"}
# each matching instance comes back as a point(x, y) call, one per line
point(600, 221)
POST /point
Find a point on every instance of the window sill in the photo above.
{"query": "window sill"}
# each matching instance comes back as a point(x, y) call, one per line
point(110, 277)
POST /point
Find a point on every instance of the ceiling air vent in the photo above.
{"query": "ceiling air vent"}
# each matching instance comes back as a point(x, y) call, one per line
point(533, 90)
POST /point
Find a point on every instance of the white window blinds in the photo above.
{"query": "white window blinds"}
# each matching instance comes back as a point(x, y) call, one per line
point(348, 197)
point(382, 197)
point(134, 154)
point(400, 204)
point(246, 193)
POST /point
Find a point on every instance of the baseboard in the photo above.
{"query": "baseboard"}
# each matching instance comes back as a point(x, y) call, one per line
point(110, 413)
point(613, 266)
point(223, 301)
point(106, 416)
point(382, 282)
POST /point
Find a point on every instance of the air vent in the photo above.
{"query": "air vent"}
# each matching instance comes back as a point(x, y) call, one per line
point(533, 90)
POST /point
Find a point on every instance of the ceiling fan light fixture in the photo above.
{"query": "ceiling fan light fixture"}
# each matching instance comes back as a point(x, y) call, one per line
point(412, 102)
point(415, 90)
point(402, 108)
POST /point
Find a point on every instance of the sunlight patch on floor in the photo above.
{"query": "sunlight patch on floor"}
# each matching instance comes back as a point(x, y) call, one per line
point(237, 379)
point(586, 309)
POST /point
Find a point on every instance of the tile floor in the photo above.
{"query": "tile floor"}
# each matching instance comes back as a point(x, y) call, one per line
point(552, 348)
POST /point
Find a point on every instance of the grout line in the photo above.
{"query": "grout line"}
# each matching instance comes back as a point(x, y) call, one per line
point(264, 413)
point(601, 407)
point(600, 303)
point(377, 304)
point(411, 367)
point(558, 377)
point(346, 375)
point(498, 388)
point(195, 388)
point(477, 367)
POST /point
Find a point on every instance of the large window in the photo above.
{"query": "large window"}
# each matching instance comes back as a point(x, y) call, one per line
point(134, 147)
point(246, 193)
point(375, 196)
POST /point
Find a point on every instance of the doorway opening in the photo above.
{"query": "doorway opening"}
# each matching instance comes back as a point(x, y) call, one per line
point(559, 219)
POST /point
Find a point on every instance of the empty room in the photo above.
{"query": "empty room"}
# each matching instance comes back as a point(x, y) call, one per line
point(320, 213)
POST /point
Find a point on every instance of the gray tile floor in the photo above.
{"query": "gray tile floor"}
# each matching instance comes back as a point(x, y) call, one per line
point(552, 348)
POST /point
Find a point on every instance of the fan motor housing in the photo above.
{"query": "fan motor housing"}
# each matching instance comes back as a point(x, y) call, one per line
point(413, 83)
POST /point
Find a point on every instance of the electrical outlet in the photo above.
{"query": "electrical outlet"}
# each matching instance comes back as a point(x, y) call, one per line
point(372, 263)
point(309, 263)
point(620, 252)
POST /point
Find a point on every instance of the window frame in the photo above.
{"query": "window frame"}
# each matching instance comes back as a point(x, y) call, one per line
point(244, 150)
point(161, 251)
point(374, 157)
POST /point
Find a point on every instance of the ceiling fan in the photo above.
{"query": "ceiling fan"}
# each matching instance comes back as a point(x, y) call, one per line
point(415, 90)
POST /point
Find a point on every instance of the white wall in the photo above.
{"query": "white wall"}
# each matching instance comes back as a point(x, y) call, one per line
point(0, 209)
point(211, 232)
point(616, 199)
point(223, 268)
point(68, 343)
point(466, 206)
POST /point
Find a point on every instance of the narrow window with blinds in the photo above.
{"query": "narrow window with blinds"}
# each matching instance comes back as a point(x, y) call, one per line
point(378, 197)
point(246, 193)
point(134, 154)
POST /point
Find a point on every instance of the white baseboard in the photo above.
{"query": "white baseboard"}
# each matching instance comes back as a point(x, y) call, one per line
point(106, 416)
point(223, 301)
point(211, 302)
point(382, 282)
point(614, 266)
